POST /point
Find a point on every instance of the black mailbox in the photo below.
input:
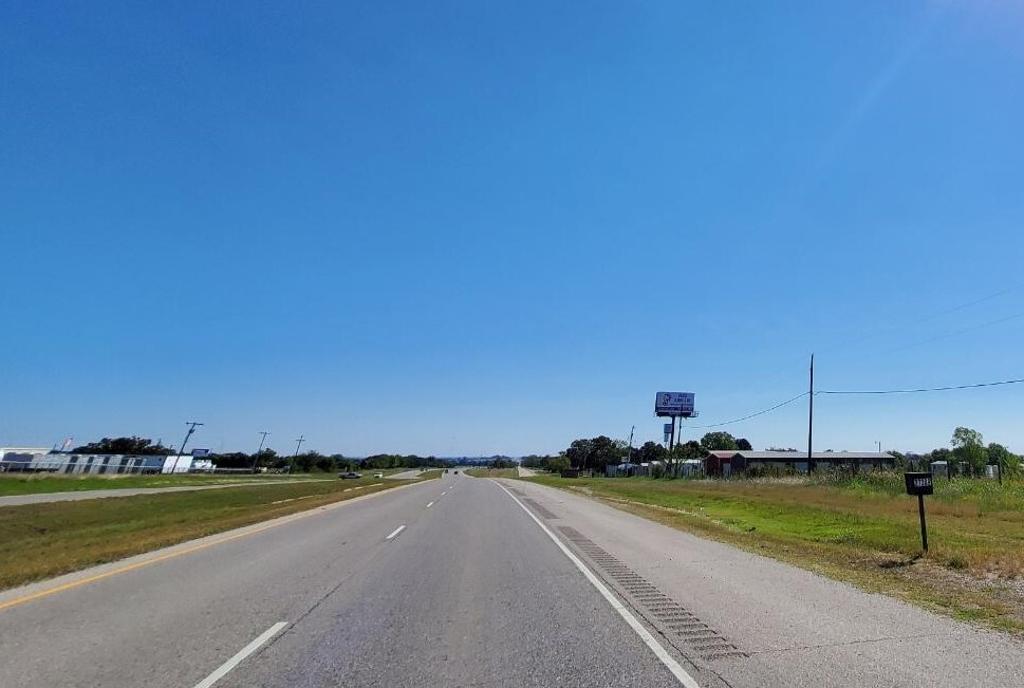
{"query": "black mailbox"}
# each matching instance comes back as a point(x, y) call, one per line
point(918, 483)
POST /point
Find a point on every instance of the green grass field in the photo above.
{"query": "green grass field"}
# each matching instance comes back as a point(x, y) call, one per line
point(493, 472)
point(864, 531)
point(39, 541)
point(41, 483)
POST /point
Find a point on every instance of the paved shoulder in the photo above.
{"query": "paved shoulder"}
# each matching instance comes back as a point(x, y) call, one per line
point(755, 621)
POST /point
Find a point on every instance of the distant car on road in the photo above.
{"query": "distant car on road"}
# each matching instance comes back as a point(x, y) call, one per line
point(378, 475)
point(350, 475)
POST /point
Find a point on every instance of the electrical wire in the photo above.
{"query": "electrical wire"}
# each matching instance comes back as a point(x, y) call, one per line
point(752, 415)
point(925, 389)
point(998, 383)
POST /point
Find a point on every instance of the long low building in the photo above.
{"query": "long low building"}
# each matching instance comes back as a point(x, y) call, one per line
point(13, 458)
point(37, 460)
point(730, 462)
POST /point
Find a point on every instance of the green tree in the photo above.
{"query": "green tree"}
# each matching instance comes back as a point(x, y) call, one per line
point(1008, 462)
point(718, 441)
point(556, 464)
point(579, 453)
point(267, 459)
point(743, 444)
point(649, 451)
point(596, 453)
point(969, 450)
point(694, 450)
point(533, 461)
point(606, 451)
point(232, 460)
point(140, 446)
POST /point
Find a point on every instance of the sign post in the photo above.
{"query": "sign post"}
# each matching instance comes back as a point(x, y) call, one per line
point(920, 484)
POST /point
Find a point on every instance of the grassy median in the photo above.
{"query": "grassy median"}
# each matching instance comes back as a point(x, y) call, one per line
point(39, 541)
point(864, 531)
point(44, 483)
point(492, 472)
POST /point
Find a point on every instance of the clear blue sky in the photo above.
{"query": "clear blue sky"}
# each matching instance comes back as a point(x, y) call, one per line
point(470, 228)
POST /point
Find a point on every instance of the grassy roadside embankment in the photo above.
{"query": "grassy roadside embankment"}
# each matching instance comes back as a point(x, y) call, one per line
point(40, 541)
point(12, 484)
point(493, 472)
point(864, 531)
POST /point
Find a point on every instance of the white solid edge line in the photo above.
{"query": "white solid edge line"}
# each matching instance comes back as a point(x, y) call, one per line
point(397, 530)
point(660, 652)
point(227, 666)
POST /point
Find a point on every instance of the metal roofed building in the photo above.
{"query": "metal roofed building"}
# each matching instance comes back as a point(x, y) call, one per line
point(16, 458)
point(730, 462)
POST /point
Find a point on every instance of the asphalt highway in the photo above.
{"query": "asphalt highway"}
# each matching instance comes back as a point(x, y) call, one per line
point(472, 582)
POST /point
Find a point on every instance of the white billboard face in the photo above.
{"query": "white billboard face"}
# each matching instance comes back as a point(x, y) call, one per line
point(673, 404)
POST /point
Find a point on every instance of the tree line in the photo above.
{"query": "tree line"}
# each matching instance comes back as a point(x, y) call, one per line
point(968, 455)
point(597, 453)
point(267, 459)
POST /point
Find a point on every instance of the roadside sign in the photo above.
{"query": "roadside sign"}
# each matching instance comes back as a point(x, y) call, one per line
point(673, 404)
point(200, 452)
point(919, 483)
point(667, 429)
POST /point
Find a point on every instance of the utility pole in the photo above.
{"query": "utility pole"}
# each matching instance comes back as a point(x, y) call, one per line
point(810, 421)
point(629, 456)
point(256, 459)
point(192, 425)
point(298, 443)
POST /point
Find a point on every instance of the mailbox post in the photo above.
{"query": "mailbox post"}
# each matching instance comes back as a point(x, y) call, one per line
point(920, 484)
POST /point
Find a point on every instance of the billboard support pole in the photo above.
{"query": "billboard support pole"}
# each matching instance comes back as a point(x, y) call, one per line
point(672, 437)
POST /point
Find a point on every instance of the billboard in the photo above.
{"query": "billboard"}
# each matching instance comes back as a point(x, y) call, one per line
point(673, 404)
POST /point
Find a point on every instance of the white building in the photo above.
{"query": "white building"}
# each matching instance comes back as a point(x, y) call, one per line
point(19, 458)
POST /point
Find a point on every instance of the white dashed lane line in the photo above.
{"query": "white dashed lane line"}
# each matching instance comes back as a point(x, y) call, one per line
point(222, 671)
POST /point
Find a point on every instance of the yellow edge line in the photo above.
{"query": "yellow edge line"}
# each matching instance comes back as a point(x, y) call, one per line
point(171, 555)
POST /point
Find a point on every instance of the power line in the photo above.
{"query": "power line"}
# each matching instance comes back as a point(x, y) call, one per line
point(924, 389)
point(753, 415)
point(901, 326)
point(954, 333)
point(976, 385)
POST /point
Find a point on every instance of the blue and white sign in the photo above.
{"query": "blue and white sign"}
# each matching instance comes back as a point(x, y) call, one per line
point(673, 404)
